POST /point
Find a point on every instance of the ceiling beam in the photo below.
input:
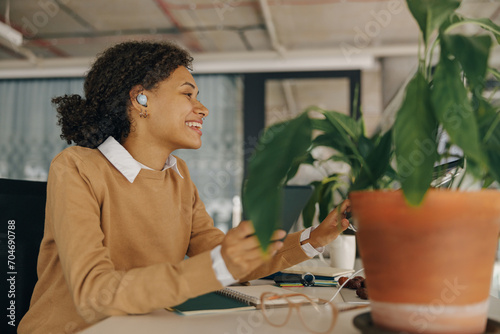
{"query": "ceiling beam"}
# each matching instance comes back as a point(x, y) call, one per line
point(235, 62)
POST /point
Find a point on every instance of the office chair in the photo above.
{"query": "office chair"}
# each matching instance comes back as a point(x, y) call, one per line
point(22, 215)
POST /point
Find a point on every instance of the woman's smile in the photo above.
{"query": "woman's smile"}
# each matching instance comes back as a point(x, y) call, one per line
point(195, 126)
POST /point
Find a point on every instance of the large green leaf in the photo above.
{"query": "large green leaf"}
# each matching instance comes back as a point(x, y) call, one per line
point(415, 140)
point(472, 53)
point(430, 14)
point(453, 108)
point(278, 148)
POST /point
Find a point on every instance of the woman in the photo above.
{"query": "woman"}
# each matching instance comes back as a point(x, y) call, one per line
point(122, 212)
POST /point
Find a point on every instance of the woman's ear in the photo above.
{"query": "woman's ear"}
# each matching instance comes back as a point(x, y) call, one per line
point(141, 103)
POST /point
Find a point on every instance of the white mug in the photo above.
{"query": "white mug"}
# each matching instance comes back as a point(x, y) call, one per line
point(343, 251)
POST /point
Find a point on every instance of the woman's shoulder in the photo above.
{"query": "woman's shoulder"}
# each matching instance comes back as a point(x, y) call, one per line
point(77, 153)
point(81, 159)
point(78, 161)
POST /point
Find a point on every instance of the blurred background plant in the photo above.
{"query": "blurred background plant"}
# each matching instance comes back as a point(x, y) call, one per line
point(347, 159)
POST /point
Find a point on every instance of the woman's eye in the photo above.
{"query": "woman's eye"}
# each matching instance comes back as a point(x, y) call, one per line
point(189, 94)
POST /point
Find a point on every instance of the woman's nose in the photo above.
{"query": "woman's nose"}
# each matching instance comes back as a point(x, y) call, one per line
point(201, 109)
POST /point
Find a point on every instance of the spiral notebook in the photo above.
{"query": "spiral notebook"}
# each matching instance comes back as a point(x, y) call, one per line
point(230, 299)
point(210, 303)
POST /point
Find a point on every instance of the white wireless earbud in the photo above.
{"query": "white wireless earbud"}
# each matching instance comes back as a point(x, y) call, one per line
point(142, 99)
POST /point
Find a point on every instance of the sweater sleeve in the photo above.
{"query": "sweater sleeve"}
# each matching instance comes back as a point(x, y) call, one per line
point(97, 288)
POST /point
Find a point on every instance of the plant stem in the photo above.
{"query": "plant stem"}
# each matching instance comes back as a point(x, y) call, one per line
point(430, 56)
point(421, 59)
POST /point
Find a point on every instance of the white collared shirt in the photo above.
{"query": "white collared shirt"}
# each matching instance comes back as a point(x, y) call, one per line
point(123, 161)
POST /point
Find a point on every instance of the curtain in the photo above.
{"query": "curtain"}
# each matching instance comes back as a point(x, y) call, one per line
point(30, 136)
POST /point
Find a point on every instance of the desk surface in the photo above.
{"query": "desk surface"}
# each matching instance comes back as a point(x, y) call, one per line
point(243, 322)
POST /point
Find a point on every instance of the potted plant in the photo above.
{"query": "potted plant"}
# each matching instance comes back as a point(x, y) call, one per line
point(428, 253)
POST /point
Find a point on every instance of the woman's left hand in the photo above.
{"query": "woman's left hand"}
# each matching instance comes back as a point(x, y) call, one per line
point(331, 227)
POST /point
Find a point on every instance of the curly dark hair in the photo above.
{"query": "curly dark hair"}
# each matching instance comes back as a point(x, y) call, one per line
point(104, 110)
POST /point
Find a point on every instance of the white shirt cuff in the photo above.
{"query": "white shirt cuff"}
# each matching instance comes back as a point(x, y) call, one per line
point(308, 248)
point(219, 266)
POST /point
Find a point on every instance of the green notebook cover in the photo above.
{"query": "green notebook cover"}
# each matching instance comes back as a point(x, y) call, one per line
point(211, 303)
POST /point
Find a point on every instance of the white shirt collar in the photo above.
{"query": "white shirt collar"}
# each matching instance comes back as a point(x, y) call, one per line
point(125, 163)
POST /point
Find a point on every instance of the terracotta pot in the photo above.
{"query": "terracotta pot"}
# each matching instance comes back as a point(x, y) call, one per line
point(428, 268)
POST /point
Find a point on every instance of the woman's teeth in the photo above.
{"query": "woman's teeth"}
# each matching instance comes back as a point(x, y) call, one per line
point(194, 125)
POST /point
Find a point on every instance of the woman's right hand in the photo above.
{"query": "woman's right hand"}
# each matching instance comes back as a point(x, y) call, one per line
point(241, 250)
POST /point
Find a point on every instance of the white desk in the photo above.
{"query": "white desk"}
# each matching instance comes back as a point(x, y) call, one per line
point(243, 322)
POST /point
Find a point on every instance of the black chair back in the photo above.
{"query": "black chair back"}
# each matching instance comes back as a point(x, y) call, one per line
point(22, 215)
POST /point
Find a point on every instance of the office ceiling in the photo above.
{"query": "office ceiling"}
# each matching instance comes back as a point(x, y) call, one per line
point(61, 30)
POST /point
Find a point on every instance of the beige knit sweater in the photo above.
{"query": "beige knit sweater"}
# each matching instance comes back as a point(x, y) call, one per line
point(112, 247)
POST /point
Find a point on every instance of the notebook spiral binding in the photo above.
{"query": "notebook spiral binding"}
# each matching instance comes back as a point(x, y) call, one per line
point(250, 300)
